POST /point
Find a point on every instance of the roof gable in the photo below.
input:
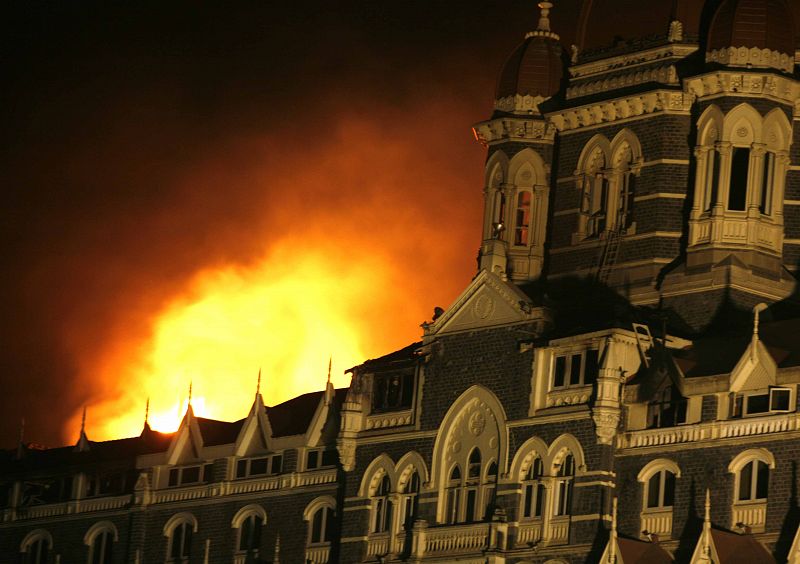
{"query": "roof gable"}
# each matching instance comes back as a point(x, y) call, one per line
point(488, 301)
point(256, 432)
point(187, 442)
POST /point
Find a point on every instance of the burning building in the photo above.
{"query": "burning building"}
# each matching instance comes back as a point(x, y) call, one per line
point(617, 383)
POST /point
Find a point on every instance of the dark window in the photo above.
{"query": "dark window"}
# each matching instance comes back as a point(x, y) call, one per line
point(102, 548)
point(560, 372)
point(190, 475)
point(758, 404)
point(712, 180)
point(767, 182)
point(667, 409)
point(383, 507)
point(241, 469)
point(534, 490)
point(522, 227)
point(392, 391)
point(575, 370)
point(181, 541)
point(740, 166)
point(753, 481)
point(258, 466)
point(322, 525)
point(592, 367)
point(250, 534)
point(471, 504)
point(661, 489)
point(474, 468)
point(277, 464)
point(312, 462)
point(174, 477)
point(779, 399)
point(37, 552)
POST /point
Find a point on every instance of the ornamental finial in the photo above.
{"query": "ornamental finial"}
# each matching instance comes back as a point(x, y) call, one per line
point(544, 18)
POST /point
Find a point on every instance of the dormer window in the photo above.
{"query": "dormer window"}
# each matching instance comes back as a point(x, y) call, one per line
point(261, 466)
point(189, 475)
point(318, 458)
point(575, 369)
point(392, 391)
point(667, 409)
point(774, 400)
point(112, 483)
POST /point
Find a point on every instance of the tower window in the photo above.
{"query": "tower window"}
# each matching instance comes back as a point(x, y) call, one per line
point(740, 167)
point(767, 180)
point(523, 220)
point(712, 179)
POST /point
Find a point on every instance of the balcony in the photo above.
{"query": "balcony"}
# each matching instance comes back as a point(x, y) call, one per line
point(711, 431)
point(318, 554)
point(658, 521)
point(750, 513)
point(529, 533)
point(452, 539)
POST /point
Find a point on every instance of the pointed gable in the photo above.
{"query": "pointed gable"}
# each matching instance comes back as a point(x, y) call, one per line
point(756, 369)
point(256, 433)
point(487, 302)
point(187, 440)
point(631, 551)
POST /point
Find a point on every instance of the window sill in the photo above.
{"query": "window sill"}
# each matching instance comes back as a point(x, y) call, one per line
point(382, 420)
point(573, 395)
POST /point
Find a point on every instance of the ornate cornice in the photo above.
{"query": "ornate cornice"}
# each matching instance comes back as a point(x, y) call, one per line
point(665, 74)
point(513, 129)
point(611, 111)
point(629, 60)
point(751, 57)
point(526, 105)
point(730, 83)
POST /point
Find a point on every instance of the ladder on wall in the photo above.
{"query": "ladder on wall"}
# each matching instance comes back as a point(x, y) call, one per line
point(609, 255)
point(644, 339)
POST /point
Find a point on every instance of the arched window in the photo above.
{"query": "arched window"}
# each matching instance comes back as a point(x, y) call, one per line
point(522, 222)
point(453, 495)
point(753, 481)
point(660, 490)
point(321, 517)
point(533, 490)
point(36, 547)
point(382, 506)
point(249, 522)
point(179, 531)
point(100, 539)
point(472, 490)
point(411, 500)
point(564, 483)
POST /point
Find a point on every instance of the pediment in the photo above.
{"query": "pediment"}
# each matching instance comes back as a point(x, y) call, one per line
point(756, 370)
point(187, 443)
point(256, 432)
point(488, 301)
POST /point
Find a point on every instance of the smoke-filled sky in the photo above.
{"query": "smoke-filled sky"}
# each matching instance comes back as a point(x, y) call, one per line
point(196, 190)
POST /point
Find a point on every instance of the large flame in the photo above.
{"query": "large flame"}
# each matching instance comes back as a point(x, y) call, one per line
point(357, 247)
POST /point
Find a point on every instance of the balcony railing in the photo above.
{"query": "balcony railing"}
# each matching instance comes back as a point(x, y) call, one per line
point(456, 538)
point(66, 508)
point(318, 554)
point(750, 513)
point(710, 431)
point(658, 521)
point(529, 533)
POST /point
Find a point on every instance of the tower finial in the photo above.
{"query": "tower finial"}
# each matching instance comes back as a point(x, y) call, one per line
point(147, 412)
point(330, 364)
point(707, 518)
point(258, 383)
point(612, 553)
point(190, 393)
point(544, 18)
point(83, 421)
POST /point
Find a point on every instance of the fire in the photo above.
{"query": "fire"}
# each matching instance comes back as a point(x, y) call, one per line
point(342, 255)
point(237, 321)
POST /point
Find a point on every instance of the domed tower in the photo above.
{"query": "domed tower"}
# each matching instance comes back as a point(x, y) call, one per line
point(520, 143)
point(743, 224)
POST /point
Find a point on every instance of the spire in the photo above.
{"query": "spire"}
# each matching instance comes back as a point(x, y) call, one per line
point(276, 557)
point(146, 426)
point(329, 392)
point(330, 364)
point(83, 441)
point(612, 549)
point(544, 18)
point(707, 518)
point(190, 393)
point(258, 383)
point(543, 29)
point(756, 311)
point(189, 409)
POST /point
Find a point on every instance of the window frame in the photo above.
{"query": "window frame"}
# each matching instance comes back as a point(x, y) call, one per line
point(247, 463)
point(569, 355)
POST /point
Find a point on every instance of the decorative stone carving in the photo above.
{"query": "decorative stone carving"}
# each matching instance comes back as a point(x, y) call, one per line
point(477, 423)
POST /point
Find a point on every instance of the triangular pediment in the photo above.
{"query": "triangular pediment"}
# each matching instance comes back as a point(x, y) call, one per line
point(187, 442)
point(315, 435)
point(488, 301)
point(756, 370)
point(256, 432)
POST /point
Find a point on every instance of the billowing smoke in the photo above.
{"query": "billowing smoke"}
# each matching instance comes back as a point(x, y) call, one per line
point(195, 195)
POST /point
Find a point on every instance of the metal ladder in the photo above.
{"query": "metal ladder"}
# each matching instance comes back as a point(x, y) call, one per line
point(609, 256)
point(644, 339)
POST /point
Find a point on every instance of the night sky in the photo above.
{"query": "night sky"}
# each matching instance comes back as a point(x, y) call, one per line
point(143, 142)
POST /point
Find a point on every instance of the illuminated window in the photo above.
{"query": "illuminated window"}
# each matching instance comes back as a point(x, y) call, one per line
point(523, 219)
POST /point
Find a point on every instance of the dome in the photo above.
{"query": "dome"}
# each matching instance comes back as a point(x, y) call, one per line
point(600, 24)
point(760, 24)
point(535, 68)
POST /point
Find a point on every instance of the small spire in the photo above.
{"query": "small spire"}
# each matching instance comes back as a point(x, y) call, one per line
point(544, 18)
point(707, 519)
point(83, 421)
point(190, 393)
point(612, 553)
point(147, 414)
point(83, 440)
point(258, 383)
point(330, 364)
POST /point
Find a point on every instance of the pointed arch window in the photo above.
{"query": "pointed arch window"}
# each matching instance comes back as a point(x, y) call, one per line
point(382, 507)
point(533, 490)
point(472, 489)
point(522, 223)
point(711, 192)
point(411, 500)
point(499, 221)
point(595, 203)
point(564, 484)
point(453, 495)
point(36, 548)
point(767, 183)
point(740, 174)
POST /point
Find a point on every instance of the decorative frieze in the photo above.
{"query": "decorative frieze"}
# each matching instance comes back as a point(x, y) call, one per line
point(385, 420)
point(622, 108)
point(751, 57)
point(728, 83)
point(666, 74)
point(526, 104)
point(513, 129)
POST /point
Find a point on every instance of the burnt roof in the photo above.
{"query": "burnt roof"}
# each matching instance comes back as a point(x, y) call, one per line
point(642, 552)
point(734, 548)
point(402, 358)
point(216, 432)
point(293, 417)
